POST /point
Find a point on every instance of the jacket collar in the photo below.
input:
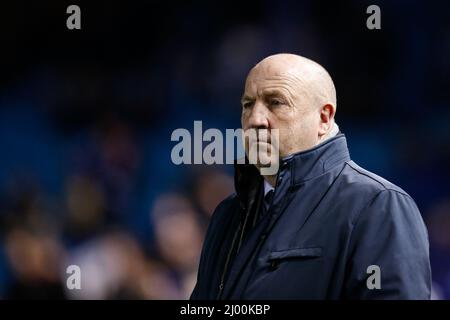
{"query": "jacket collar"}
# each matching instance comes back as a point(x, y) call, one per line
point(303, 166)
point(311, 163)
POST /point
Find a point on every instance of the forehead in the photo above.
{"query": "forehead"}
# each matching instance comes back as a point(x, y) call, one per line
point(263, 78)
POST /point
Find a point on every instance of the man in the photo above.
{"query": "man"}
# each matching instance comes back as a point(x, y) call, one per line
point(322, 227)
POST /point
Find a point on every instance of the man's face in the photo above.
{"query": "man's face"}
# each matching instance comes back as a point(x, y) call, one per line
point(276, 98)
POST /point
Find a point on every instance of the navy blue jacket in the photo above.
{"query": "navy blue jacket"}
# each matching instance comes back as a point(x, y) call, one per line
point(329, 224)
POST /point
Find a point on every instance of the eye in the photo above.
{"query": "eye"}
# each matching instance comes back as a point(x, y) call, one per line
point(247, 104)
point(275, 102)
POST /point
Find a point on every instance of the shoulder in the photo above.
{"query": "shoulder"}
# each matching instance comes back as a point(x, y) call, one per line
point(368, 183)
point(370, 191)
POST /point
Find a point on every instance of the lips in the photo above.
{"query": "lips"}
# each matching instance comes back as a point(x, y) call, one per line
point(260, 136)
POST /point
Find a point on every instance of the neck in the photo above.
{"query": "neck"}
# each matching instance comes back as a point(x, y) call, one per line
point(272, 180)
point(331, 133)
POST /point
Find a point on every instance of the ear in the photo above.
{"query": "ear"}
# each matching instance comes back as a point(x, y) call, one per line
point(326, 118)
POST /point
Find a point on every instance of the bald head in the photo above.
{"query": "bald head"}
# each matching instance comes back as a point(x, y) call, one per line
point(307, 76)
point(294, 95)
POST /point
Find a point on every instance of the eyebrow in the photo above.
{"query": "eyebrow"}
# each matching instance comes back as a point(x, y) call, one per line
point(267, 93)
point(273, 92)
point(246, 98)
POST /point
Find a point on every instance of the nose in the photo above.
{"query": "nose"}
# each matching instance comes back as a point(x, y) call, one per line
point(257, 118)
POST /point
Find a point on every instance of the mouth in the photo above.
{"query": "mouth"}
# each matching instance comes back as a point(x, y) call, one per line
point(260, 144)
point(258, 136)
point(264, 139)
point(260, 148)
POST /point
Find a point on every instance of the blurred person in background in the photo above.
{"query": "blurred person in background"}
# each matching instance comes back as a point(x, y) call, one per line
point(438, 222)
point(178, 239)
point(109, 160)
point(36, 261)
point(115, 266)
point(34, 251)
point(207, 186)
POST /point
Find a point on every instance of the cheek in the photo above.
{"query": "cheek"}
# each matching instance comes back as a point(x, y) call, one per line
point(289, 122)
point(304, 128)
point(297, 133)
point(287, 139)
point(244, 120)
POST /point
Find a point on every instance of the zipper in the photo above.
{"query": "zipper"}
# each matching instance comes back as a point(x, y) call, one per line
point(227, 262)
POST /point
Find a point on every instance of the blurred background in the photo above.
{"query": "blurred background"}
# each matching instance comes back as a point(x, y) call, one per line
point(86, 118)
